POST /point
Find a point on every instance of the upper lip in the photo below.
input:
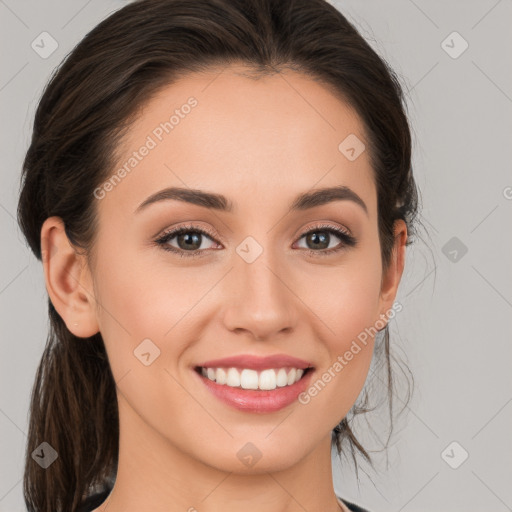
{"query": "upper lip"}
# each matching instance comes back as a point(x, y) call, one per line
point(257, 362)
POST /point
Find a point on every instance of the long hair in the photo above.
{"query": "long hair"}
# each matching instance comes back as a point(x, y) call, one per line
point(86, 108)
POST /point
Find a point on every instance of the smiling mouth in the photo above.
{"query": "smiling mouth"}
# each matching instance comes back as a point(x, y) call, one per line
point(250, 379)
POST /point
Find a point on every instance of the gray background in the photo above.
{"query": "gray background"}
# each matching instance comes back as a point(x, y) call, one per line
point(455, 329)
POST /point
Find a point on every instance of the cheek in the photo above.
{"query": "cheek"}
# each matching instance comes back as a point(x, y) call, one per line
point(345, 298)
point(147, 301)
point(346, 302)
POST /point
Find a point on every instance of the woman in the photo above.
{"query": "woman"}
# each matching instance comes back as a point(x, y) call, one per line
point(221, 194)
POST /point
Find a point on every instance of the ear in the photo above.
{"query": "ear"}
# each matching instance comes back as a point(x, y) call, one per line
point(68, 280)
point(392, 275)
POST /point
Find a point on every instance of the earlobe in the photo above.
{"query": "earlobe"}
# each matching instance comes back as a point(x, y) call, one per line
point(391, 278)
point(67, 279)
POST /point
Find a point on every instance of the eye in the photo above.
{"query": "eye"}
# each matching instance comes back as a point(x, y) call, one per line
point(320, 237)
point(189, 240)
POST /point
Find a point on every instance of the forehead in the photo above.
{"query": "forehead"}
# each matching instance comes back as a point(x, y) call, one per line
point(256, 139)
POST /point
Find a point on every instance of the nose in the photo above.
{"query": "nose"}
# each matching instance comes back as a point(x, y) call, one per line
point(261, 302)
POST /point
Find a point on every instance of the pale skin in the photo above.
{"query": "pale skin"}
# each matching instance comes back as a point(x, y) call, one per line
point(259, 143)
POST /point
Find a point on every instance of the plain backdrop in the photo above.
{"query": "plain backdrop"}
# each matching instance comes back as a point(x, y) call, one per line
point(452, 450)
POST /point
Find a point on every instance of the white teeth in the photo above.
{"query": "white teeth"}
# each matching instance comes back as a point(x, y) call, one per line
point(251, 379)
point(233, 378)
point(222, 376)
point(282, 378)
point(267, 379)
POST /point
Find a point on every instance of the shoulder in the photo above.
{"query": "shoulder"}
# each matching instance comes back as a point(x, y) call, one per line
point(352, 506)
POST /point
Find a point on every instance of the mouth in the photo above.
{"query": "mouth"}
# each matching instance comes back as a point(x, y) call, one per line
point(262, 390)
point(247, 378)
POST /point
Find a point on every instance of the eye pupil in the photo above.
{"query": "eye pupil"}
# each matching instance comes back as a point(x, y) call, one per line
point(187, 239)
point(323, 237)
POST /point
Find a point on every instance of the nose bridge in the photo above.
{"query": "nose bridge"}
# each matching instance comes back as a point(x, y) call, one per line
point(261, 300)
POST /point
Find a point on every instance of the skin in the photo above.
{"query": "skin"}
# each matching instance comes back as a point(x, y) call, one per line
point(260, 143)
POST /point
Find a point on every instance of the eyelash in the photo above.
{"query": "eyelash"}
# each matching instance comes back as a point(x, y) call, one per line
point(347, 240)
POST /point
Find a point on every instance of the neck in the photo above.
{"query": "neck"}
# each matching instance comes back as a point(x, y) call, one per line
point(155, 475)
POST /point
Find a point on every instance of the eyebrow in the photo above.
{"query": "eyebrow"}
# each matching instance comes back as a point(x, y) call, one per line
point(305, 201)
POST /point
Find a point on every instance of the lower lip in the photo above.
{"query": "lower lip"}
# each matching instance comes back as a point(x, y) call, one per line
point(253, 400)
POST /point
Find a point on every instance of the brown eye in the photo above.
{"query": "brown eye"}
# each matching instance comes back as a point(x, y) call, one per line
point(319, 238)
point(189, 239)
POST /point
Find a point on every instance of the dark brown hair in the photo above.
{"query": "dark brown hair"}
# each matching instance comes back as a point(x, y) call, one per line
point(88, 105)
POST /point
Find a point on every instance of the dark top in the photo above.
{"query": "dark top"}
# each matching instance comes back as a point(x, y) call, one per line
point(94, 501)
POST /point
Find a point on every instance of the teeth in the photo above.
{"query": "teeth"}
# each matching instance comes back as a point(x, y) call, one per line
point(221, 376)
point(248, 379)
point(251, 379)
point(281, 378)
point(233, 379)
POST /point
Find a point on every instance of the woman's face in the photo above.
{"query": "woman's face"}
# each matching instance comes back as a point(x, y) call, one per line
point(256, 285)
